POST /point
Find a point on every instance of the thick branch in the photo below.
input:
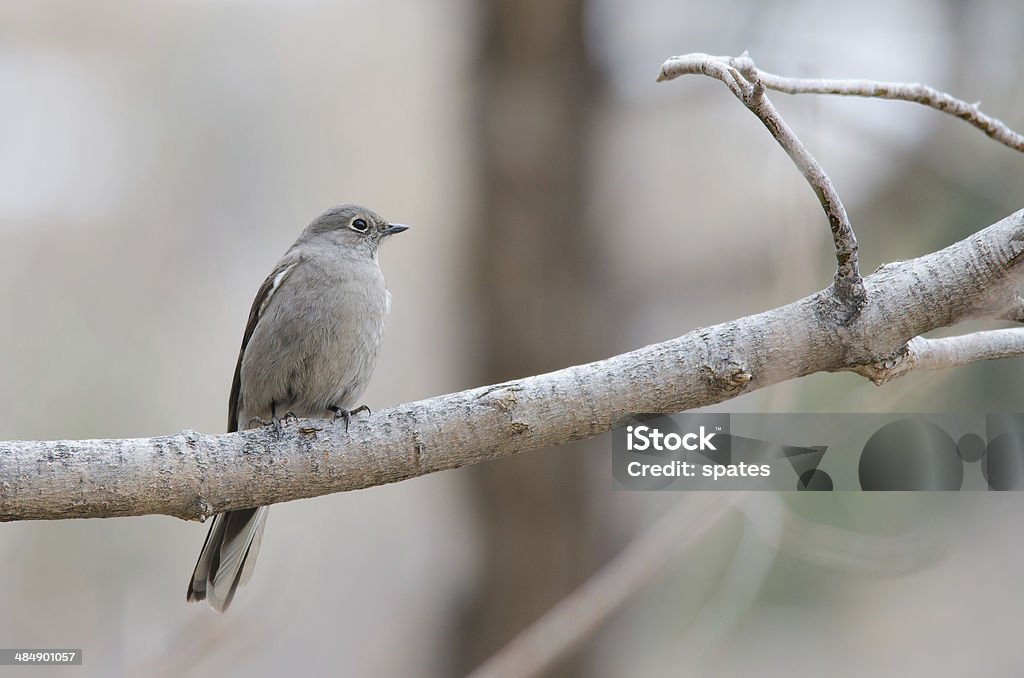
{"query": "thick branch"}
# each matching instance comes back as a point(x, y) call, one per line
point(190, 475)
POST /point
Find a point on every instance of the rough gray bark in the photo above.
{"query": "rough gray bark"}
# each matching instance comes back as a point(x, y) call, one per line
point(192, 476)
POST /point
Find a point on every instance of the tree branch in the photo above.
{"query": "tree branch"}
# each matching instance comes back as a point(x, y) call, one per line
point(579, 615)
point(900, 91)
point(742, 78)
point(942, 354)
point(873, 89)
point(192, 476)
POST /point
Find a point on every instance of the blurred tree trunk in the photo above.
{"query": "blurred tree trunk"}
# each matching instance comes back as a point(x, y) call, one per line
point(538, 287)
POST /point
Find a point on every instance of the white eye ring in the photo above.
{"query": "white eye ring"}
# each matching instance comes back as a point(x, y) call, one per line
point(359, 225)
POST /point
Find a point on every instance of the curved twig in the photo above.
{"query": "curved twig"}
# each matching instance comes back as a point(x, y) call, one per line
point(743, 80)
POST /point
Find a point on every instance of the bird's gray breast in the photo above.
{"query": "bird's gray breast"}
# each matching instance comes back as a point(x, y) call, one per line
point(317, 338)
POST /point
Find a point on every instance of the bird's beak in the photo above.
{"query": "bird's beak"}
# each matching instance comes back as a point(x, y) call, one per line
point(394, 228)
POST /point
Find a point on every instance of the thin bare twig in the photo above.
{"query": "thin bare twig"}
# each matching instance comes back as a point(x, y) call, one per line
point(577, 616)
point(900, 91)
point(743, 80)
point(942, 354)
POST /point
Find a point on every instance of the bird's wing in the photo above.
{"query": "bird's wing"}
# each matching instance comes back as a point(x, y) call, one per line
point(234, 537)
point(259, 304)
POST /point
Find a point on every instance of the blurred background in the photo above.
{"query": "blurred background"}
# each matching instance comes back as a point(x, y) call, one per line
point(156, 158)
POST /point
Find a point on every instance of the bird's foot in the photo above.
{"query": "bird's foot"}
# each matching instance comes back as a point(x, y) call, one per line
point(341, 413)
point(261, 421)
point(276, 422)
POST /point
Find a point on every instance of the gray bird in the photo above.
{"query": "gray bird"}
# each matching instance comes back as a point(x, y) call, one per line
point(309, 348)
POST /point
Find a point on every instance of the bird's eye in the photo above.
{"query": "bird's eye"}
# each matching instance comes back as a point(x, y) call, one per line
point(359, 225)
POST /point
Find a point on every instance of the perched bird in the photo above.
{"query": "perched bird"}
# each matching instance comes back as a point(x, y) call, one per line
point(309, 348)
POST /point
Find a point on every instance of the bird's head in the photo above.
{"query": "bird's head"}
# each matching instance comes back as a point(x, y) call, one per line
point(353, 228)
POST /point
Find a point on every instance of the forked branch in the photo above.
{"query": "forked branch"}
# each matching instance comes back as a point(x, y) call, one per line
point(584, 611)
point(741, 77)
